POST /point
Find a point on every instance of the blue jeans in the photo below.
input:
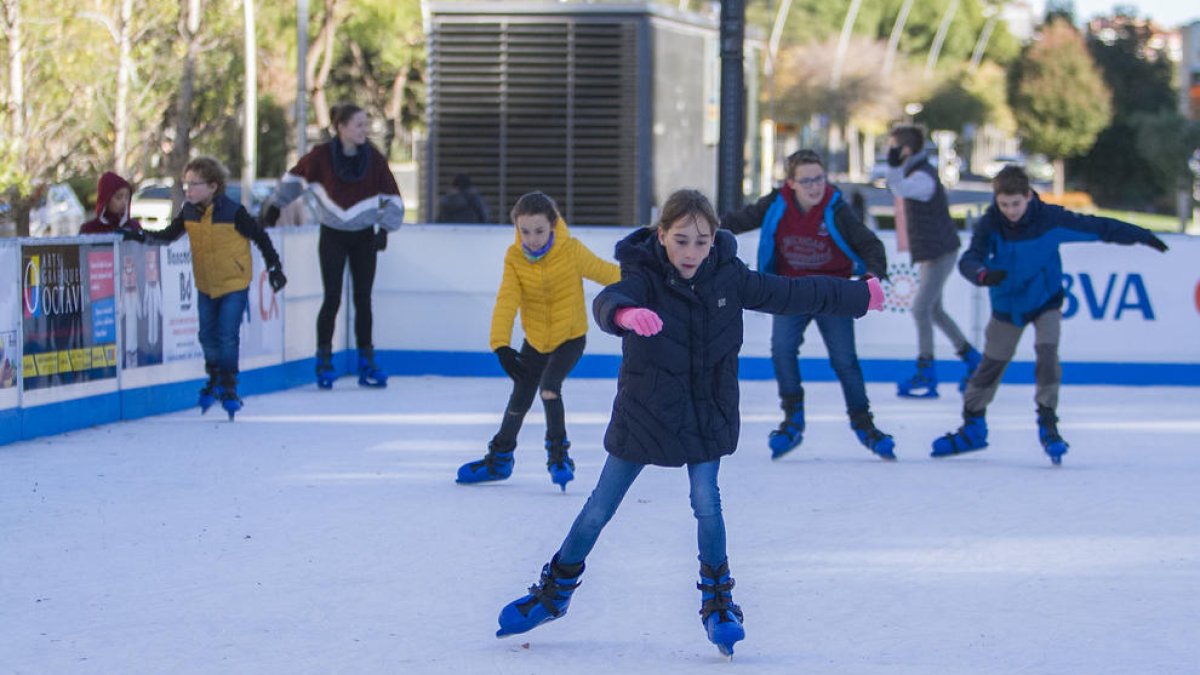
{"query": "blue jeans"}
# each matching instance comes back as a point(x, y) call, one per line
point(615, 479)
point(787, 334)
point(220, 327)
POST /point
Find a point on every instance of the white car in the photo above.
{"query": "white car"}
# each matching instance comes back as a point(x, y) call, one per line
point(58, 213)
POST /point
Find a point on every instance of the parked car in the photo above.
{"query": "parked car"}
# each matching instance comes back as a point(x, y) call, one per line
point(58, 212)
point(1040, 169)
point(152, 202)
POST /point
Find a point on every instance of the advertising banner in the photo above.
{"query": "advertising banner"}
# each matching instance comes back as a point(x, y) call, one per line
point(141, 305)
point(180, 322)
point(10, 325)
point(69, 314)
point(262, 327)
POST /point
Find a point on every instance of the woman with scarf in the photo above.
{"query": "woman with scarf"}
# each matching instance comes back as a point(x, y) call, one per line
point(543, 277)
point(353, 193)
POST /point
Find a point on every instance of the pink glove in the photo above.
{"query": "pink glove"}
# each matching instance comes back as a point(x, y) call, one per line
point(876, 301)
point(640, 320)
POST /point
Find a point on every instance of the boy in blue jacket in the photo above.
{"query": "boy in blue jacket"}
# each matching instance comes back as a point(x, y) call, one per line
point(1014, 252)
point(678, 310)
point(808, 230)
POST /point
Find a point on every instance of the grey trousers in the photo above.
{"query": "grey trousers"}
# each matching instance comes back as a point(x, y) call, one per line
point(927, 305)
point(1000, 343)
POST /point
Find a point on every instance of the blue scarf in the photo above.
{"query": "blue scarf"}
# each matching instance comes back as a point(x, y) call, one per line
point(534, 256)
point(349, 168)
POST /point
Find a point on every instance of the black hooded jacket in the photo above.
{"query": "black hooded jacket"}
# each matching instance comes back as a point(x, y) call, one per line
point(677, 392)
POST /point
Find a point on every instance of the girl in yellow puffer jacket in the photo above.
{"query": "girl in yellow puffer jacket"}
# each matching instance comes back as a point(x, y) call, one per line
point(544, 271)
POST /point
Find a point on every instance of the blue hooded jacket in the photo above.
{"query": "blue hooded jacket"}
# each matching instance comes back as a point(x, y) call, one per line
point(1028, 251)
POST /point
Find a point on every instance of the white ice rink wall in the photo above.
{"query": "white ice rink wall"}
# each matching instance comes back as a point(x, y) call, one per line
point(1131, 317)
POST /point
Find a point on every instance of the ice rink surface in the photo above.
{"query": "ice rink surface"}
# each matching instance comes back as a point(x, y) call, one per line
point(322, 532)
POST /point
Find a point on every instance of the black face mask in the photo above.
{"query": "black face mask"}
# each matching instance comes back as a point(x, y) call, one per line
point(893, 158)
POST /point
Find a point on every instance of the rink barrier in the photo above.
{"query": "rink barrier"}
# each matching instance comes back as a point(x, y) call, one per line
point(1128, 317)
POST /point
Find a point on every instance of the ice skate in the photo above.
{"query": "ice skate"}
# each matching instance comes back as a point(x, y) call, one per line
point(722, 618)
point(547, 600)
point(1052, 442)
point(972, 358)
point(791, 431)
point(370, 374)
point(971, 436)
point(871, 437)
point(559, 463)
point(325, 372)
point(496, 465)
point(921, 384)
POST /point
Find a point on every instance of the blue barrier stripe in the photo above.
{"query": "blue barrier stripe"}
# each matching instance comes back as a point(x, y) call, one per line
point(54, 418)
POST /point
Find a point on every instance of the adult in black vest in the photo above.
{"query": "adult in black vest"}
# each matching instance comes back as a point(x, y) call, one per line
point(933, 243)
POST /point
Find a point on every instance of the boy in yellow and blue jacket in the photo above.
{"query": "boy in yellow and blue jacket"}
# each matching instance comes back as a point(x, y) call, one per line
point(543, 278)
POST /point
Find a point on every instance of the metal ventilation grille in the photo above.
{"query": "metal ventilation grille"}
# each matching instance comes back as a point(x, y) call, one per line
point(545, 104)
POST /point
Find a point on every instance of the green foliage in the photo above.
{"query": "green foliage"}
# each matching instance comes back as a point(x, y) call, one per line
point(1059, 99)
point(1141, 84)
point(1165, 141)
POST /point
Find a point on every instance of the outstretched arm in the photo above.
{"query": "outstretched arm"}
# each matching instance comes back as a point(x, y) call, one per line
point(774, 294)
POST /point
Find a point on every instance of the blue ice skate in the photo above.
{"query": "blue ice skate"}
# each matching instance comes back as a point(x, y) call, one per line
point(211, 392)
point(921, 384)
point(871, 437)
point(497, 464)
point(547, 600)
point(791, 430)
point(370, 374)
point(229, 396)
point(559, 463)
point(722, 618)
point(971, 436)
point(1052, 442)
point(325, 372)
point(972, 358)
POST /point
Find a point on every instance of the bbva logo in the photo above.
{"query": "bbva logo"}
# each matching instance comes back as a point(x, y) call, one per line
point(1100, 295)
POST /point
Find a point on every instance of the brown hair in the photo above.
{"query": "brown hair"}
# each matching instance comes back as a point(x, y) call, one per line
point(1012, 180)
point(909, 136)
point(210, 170)
point(534, 203)
point(801, 157)
point(687, 204)
point(341, 113)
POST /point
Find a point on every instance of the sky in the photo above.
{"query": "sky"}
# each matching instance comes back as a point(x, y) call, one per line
point(1170, 13)
point(322, 532)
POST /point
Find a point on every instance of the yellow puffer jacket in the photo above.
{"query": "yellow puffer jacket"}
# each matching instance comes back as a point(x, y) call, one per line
point(220, 254)
point(548, 292)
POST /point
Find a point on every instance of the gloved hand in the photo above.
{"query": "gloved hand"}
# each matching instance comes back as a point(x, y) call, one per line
point(893, 156)
point(876, 289)
point(131, 235)
point(510, 361)
point(988, 277)
point(640, 320)
point(268, 216)
point(1157, 244)
point(275, 276)
point(381, 240)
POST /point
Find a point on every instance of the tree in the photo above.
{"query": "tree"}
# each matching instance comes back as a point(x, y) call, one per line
point(1058, 97)
point(1141, 81)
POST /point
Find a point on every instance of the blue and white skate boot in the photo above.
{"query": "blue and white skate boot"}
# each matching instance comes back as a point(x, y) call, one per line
point(548, 599)
point(559, 463)
point(325, 372)
point(1052, 443)
point(871, 437)
point(211, 392)
point(229, 396)
point(921, 384)
point(369, 374)
point(971, 436)
point(722, 618)
point(791, 431)
point(497, 464)
point(972, 358)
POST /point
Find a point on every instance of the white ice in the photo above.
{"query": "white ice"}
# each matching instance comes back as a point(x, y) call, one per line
point(322, 532)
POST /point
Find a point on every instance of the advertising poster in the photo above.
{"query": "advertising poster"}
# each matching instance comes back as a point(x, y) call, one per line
point(141, 305)
point(262, 327)
point(69, 315)
point(10, 321)
point(180, 322)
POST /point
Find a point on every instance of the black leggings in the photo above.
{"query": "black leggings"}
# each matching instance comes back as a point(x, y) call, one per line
point(334, 247)
point(545, 372)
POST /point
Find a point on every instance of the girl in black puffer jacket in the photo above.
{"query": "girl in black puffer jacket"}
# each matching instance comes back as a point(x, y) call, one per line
point(678, 308)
